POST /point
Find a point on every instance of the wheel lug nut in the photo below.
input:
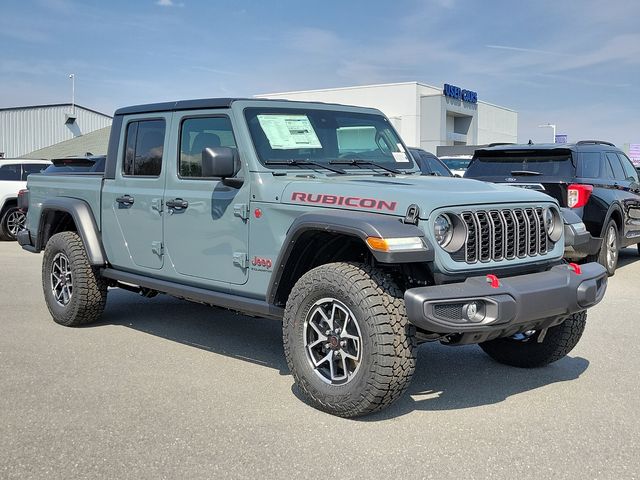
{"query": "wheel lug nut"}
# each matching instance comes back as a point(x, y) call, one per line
point(337, 330)
point(343, 343)
point(328, 332)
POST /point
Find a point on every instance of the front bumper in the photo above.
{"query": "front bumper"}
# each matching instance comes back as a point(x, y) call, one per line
point(514, 304)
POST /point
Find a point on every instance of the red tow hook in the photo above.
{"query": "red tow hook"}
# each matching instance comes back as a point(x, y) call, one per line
point(576, 268)
point(493, 280)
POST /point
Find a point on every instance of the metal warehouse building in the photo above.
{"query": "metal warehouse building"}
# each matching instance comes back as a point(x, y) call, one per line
point(424, 115)
point(26, 129)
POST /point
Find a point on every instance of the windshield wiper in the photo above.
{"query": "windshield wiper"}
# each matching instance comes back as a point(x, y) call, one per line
point(354, 161)
point(299, 162)
point(524, 172)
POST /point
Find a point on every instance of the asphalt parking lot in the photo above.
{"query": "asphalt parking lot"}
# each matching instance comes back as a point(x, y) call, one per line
point(163, 388)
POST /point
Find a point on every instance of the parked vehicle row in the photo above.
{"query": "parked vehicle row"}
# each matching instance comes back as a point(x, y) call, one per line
point(316, 215)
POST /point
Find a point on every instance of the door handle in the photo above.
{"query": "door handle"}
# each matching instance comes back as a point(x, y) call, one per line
point(177, 203)
point(125, 200)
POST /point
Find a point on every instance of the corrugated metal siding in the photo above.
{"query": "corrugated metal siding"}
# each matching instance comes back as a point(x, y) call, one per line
point(24, 130)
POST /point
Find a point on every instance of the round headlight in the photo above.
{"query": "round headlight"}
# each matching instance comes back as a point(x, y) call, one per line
point(443, 230)
point(553, 224)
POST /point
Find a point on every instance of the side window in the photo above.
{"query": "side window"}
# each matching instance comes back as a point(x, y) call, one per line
point(197, 134)
point(590, 165)
point(144, 145)
point(10, 172)
point(438, 168)
point(616, 166)
point(629, 170)
point(28, 168)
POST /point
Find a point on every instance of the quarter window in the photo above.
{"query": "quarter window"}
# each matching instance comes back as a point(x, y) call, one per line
point(618, 172)
point(197, 134)
point(629, 170)
point(590, 164)
point(144, 147)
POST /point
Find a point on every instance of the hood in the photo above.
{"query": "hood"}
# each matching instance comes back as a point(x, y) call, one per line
point(392, 195)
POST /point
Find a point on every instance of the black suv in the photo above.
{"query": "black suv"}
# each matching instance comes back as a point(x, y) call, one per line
point(594, 179)
point(429, 164)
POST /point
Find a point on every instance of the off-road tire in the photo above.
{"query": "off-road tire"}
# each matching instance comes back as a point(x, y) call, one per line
point(89, 295)
point(5, 232)
point(601, 256)
point(557, 343)
point(388, 348)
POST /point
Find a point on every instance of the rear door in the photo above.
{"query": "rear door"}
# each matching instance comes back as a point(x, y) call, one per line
point(207, 237)
point(132, 202)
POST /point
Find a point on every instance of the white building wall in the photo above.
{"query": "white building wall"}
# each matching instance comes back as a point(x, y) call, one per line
point(23, 130)
point(423, 116)
point(496, 124)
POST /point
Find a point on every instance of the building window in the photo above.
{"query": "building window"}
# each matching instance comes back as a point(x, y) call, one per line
point(196, 135)
point(144, 146)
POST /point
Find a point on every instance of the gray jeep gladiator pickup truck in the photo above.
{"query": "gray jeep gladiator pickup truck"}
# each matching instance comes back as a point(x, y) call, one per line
point(316, 215)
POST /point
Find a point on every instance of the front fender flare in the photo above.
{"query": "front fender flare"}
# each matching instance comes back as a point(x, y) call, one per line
point(354, 224)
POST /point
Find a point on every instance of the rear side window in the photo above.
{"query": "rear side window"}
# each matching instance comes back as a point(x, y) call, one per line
point(616, 166)
point(629, 170)
point(197, 134)
point(521, 165)
point(144, 147)
point(28, 168)
point(10, 172)
point(590, 165)
point(437, 167)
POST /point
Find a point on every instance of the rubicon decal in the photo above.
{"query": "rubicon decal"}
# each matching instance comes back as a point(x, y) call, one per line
point(357, 202)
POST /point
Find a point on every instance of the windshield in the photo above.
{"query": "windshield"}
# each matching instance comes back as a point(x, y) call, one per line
point(323, 136)
point(456, 163)
point(521, 165)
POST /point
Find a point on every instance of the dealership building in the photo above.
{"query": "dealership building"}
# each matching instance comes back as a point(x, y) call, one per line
point(425, 116)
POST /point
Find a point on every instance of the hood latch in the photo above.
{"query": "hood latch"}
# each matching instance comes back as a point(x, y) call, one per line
point(412, 215)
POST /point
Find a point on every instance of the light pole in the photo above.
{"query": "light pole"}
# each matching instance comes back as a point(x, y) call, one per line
point(552, 127)
point(72, 76)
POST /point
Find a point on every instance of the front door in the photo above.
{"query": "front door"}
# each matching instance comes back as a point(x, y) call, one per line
point(132, 201)
point(206, 222)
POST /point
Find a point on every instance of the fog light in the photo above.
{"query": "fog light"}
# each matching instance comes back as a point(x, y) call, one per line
point(474, 311)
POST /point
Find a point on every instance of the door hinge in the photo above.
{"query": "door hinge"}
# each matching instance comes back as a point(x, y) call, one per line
point(156, 204)
point(241, 210)
point(241, 259)
point(157, 248)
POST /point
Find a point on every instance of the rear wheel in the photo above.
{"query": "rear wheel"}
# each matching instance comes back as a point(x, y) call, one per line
point(607, 256)
point(11, 223)
point(74, 291)
point(347, 339)
point(525, 351)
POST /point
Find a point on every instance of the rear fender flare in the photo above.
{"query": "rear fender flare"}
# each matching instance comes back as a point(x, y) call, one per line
point(84, 221)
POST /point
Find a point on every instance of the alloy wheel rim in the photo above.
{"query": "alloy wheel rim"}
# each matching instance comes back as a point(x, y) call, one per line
point(61, 280)
point(332, 341)
point(15, 222)
point(612, 247)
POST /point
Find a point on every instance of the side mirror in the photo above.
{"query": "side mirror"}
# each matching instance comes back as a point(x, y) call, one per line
point(221, 162)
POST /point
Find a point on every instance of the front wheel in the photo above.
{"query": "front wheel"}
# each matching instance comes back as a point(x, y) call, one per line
point(11, 223)
point(525, 351)
point(347, 339)
point(74, 291)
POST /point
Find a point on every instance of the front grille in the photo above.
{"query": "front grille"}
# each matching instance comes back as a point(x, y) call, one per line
point(494, 235)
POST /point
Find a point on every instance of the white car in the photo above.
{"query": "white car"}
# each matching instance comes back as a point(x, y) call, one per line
point(13, 178)
point(457, 163)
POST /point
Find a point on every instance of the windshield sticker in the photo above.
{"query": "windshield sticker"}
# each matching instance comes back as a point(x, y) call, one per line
point(286, 132)
point(400, 157)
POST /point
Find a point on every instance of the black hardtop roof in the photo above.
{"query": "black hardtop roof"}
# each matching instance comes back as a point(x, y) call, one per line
point(590, 145)
point(203, 103)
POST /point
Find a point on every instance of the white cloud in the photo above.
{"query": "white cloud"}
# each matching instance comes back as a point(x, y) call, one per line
point(169, 3)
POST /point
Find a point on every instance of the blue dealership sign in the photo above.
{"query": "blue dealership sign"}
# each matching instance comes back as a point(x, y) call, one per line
point(456, 92)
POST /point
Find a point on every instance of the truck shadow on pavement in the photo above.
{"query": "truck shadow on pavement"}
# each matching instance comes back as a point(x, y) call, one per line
point(447, 378)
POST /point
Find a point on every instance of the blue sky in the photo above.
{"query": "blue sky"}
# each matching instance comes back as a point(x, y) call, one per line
point(572, 63)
